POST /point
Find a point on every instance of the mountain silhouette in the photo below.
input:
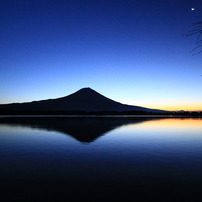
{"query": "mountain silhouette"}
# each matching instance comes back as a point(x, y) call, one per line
point(83, 129)
point(85, 99)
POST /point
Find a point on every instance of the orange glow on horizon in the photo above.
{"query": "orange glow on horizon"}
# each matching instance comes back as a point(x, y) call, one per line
point(177, 107)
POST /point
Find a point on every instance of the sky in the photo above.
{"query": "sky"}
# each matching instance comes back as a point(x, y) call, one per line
point(132, 51)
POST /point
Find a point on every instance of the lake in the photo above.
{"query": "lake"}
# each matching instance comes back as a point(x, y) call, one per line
point(100, 158)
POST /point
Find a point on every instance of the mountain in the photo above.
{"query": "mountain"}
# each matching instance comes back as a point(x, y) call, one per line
point(85, 99)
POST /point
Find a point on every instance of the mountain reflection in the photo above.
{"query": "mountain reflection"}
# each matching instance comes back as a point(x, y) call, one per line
point(83, 129)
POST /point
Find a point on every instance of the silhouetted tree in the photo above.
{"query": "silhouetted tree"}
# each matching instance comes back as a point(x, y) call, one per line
point(197, 32)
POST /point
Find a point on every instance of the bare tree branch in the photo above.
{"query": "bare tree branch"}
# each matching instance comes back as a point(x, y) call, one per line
point(196, 31)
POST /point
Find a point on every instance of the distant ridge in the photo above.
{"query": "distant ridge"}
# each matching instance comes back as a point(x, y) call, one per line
point(85, 99)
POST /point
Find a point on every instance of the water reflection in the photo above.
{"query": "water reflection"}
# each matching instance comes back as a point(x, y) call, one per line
point(138, 158)
point(84, 129)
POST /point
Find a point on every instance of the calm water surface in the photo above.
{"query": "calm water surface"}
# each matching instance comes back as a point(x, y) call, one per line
point(60, 158)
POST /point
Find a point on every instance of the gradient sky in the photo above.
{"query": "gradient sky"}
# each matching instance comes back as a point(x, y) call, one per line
point(131, 51)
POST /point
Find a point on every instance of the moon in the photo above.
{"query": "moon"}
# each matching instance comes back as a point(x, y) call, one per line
point(192, 9)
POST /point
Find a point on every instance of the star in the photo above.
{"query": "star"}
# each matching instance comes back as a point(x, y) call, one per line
point(192, 9)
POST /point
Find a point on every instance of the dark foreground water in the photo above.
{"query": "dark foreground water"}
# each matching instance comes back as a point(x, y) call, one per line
point(100, 159)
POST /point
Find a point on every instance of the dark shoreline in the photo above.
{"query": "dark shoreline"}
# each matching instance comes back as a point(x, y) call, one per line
point(100, 113)
point(97, 116)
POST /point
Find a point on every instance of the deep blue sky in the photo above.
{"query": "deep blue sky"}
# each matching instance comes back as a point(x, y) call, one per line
point(131, 51)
